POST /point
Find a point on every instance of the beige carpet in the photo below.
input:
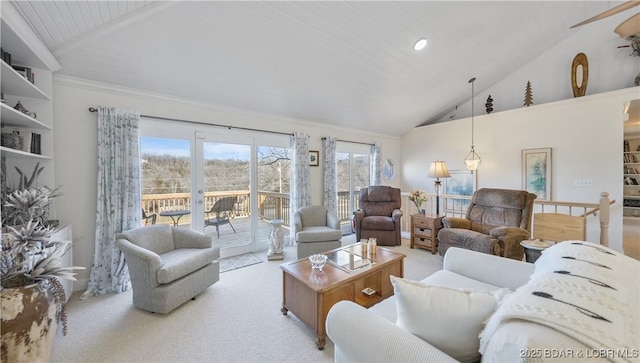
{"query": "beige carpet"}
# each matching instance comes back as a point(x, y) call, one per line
point(238, 319)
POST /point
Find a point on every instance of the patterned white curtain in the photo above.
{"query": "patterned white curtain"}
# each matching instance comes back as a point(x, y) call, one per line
point(300, 184)
point(330, 171)
point(376, 164)
point(118, 197)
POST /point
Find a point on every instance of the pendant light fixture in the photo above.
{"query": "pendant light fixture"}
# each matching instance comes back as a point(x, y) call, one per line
point(473, 159)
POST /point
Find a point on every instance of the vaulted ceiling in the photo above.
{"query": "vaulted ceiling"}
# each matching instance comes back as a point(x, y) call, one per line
point(340, 63)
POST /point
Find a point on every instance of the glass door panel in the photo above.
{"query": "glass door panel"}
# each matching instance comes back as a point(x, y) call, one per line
point(353, 175)
point(274, 175)
point(345, 199)
point(227, 193)
point(165, 166)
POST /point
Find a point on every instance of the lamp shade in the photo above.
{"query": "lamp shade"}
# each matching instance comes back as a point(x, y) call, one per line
point(473, 164)
point(439, 169)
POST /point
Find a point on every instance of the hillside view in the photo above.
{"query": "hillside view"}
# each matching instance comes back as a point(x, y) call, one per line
point(167, 174)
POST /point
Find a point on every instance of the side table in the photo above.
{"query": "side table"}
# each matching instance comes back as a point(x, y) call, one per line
point(533, 249)
point(424, 231)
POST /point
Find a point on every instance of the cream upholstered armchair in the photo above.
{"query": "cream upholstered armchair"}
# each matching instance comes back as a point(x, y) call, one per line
point(496, 221)
point(317, 230)
point(168, 265)
point(379, 215)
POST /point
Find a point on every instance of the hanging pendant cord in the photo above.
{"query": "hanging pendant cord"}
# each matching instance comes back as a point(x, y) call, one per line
point(472, 81)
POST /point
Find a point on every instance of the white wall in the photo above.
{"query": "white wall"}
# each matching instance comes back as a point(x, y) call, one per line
point(75, 137)
point(585, 135)
point(610, 68)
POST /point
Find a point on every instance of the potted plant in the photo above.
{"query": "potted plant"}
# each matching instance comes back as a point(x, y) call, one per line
point(32, 297)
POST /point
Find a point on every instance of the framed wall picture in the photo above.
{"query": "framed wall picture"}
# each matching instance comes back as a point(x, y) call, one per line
point(461, 182)
point(314, 158)
point(536, 172)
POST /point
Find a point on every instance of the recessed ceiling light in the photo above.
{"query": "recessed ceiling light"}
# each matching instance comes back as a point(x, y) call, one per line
point(420, 44)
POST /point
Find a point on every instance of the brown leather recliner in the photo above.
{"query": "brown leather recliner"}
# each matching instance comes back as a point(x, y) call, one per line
point(379, 215)
point(497, 220)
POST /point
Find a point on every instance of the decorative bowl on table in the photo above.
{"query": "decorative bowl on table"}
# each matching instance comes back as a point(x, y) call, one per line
point(318, 261)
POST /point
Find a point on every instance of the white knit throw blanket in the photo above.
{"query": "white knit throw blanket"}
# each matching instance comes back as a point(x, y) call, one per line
point(585, 291)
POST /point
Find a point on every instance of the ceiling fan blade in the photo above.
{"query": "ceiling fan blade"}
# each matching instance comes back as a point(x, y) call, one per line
point(622, 7)
point(629, 27)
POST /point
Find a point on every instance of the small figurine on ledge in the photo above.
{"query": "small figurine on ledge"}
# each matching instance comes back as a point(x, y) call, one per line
point(21, 108)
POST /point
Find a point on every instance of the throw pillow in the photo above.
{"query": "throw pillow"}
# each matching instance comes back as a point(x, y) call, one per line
point(447, 318)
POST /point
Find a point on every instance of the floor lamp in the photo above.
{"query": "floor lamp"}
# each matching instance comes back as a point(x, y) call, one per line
point(438, 170)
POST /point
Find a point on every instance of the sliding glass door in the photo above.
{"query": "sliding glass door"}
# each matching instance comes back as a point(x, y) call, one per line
point(166, 180)
point(353, 175)
point(229, 185)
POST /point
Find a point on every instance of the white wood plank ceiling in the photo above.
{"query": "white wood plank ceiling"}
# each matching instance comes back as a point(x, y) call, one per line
point(340, 63)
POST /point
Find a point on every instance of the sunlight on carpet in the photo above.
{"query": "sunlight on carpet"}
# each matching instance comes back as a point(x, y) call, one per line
point(239, 261)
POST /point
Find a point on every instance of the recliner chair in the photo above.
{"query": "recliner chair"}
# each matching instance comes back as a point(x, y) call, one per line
point(379, 215)
point(496, 221)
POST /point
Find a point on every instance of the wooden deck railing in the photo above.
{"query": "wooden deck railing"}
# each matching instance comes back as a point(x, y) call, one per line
point(273, 205)
point(270, 205)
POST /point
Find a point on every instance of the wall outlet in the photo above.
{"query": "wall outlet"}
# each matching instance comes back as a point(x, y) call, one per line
point(583, 183)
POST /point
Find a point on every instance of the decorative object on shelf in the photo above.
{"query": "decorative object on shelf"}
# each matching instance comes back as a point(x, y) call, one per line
point(473, 159)
point(489, 105)
point(453, 113)
point(418, 197)
point(22, 109)
point(438, 170)
point(536, 172)
point(22, 138)
point(6, 56)
point(12, 141)
point(314, 158)
point(528, 95)
point(33, 299)
point(580, 60)
point(25, 72)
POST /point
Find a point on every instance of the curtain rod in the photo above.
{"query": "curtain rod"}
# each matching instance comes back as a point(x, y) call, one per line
point(93, 109)
point(353, 142)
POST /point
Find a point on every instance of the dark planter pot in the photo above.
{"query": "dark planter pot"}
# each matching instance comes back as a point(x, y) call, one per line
point(29, 323)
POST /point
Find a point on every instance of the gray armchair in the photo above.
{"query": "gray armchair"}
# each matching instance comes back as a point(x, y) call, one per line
point(168, 265)
point(496, 221)
point(317, 230)
point(379, 215)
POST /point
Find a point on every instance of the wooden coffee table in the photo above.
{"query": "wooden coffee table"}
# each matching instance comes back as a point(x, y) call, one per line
point(310, 294)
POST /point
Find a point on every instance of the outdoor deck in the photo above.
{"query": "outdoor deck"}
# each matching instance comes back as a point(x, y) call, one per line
point(243, 231)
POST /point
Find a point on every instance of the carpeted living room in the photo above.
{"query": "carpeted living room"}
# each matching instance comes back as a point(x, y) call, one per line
point(237, 319)
point(320, 181)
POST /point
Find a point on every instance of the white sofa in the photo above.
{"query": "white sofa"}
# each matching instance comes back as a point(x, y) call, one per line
point(372, 335)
